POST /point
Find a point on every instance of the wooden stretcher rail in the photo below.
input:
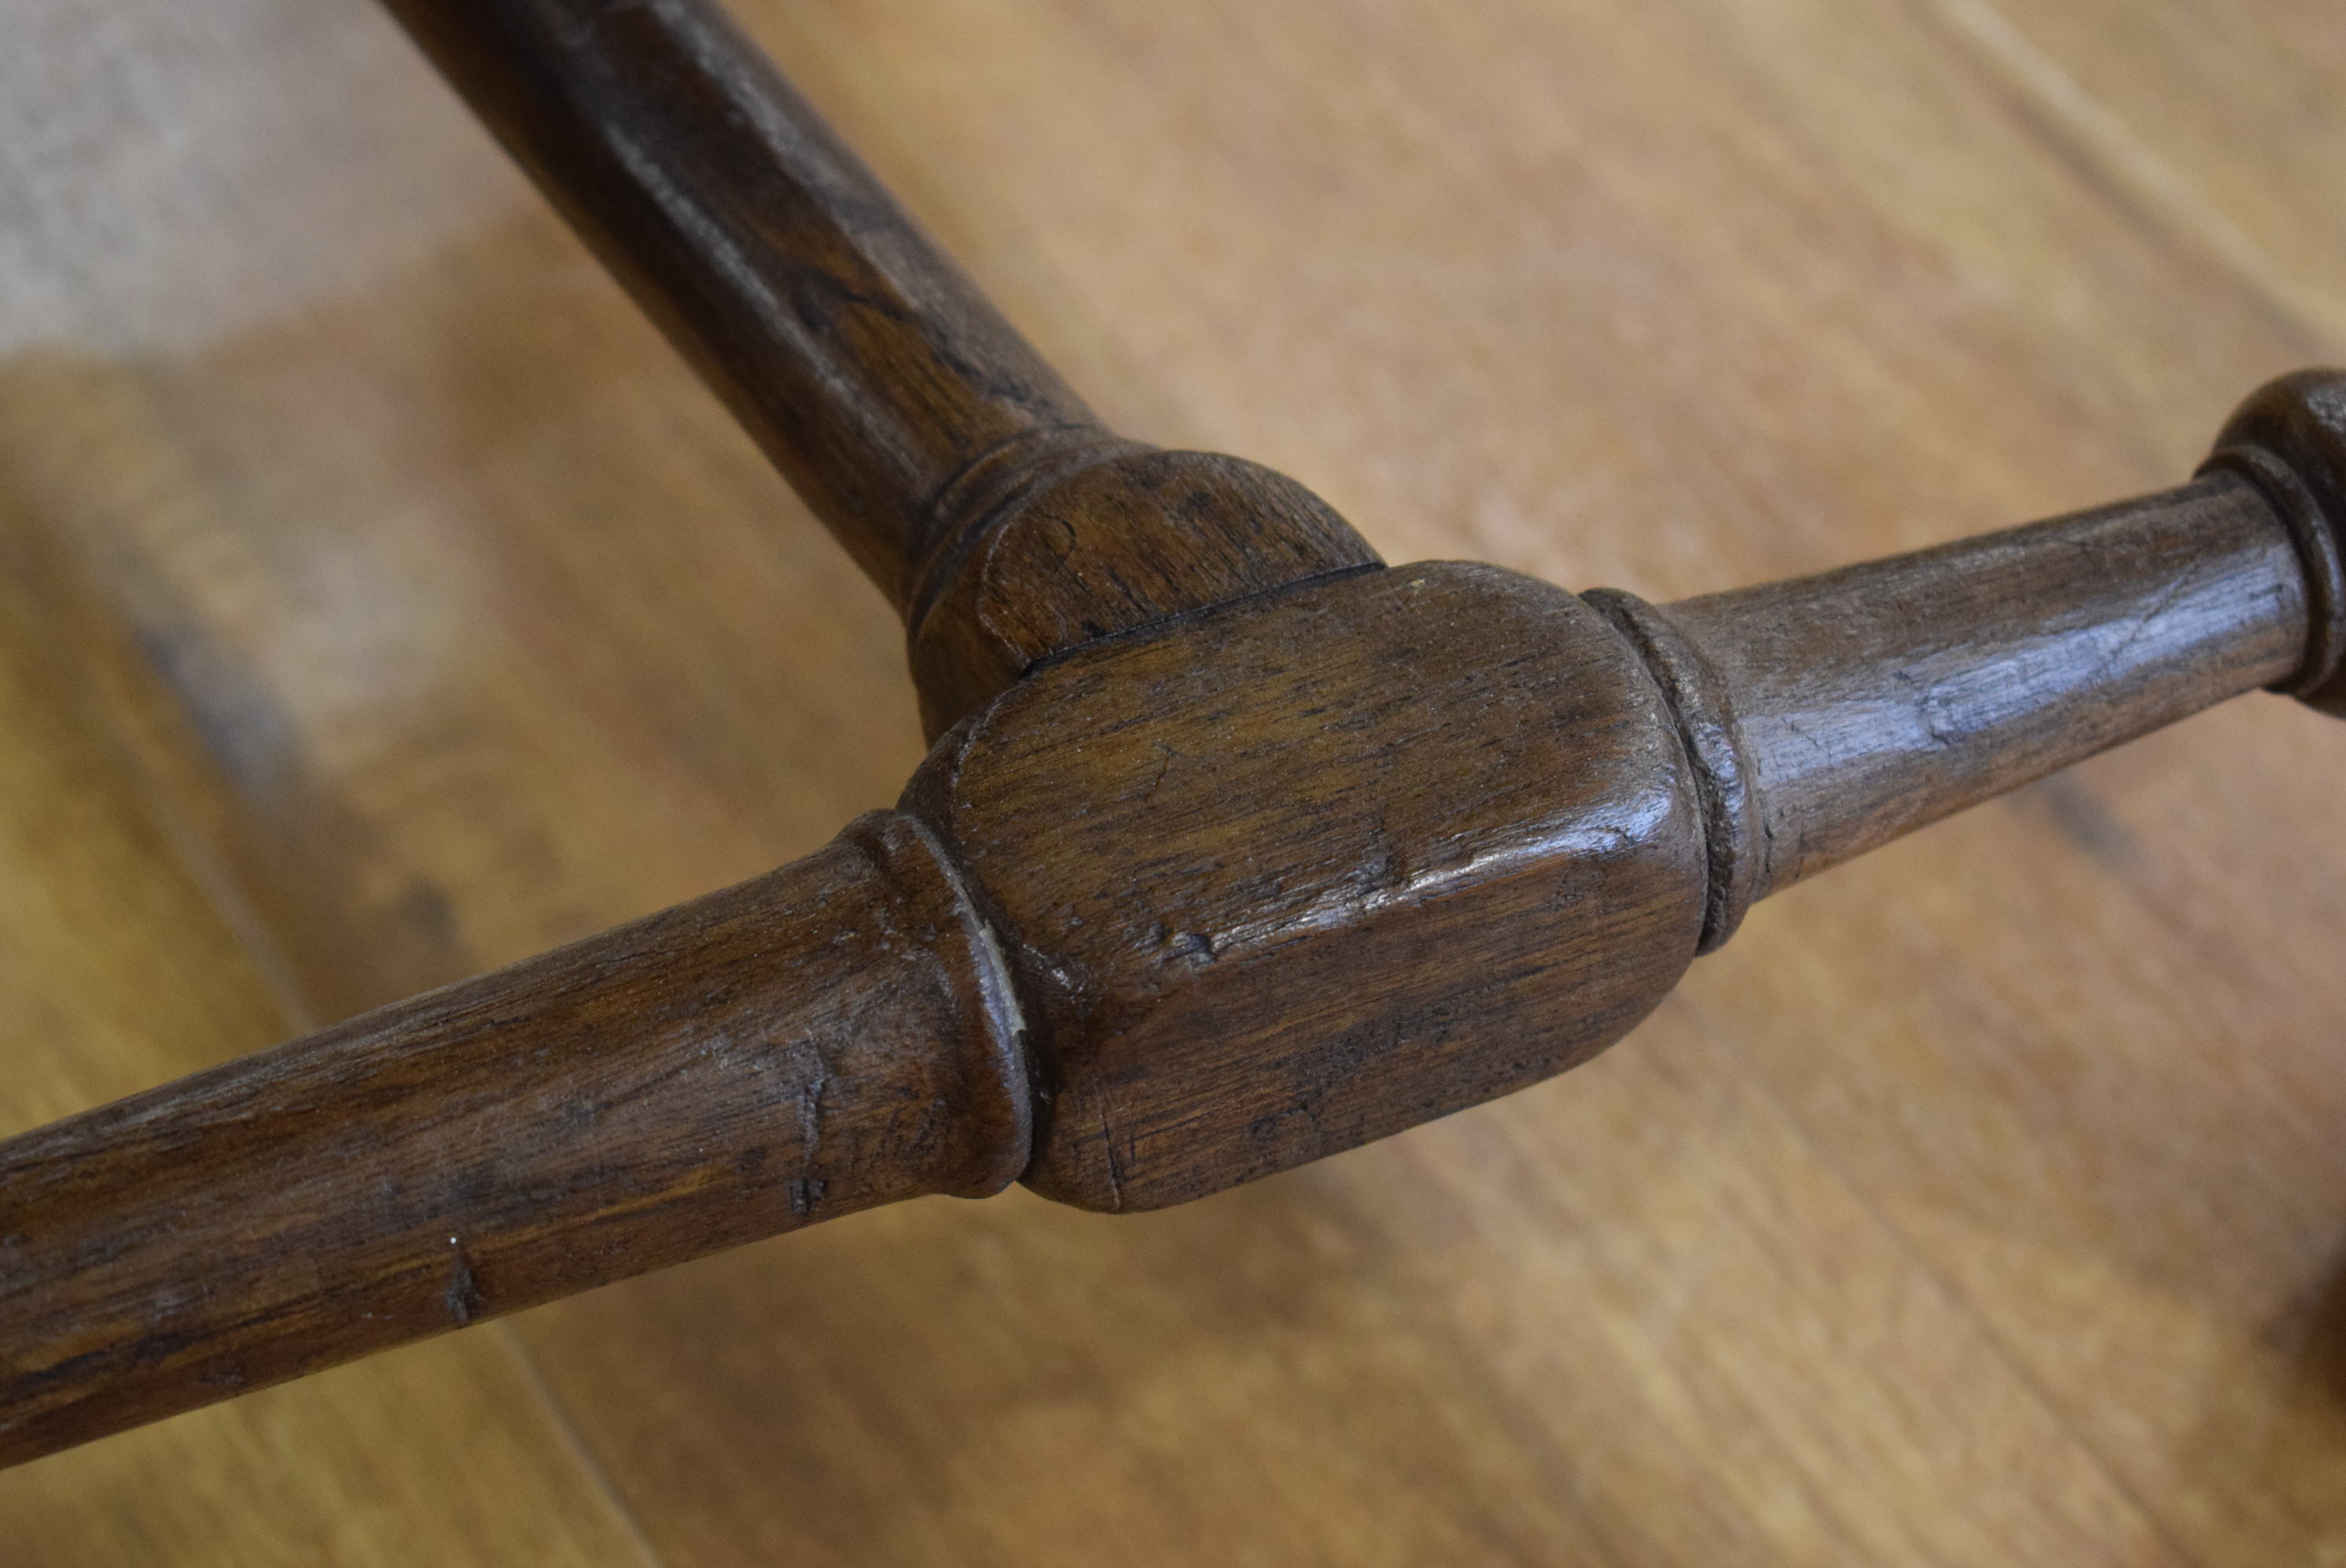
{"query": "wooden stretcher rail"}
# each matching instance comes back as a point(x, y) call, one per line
point(940, 450)
point(1237, 848)
point(866, 364)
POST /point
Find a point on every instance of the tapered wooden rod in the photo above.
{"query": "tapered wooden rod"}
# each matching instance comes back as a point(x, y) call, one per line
point(830, 1036)
point(1179, 910)
point(857, 353)
point(1240, 852)
point(1834, 713)
point(976, 490)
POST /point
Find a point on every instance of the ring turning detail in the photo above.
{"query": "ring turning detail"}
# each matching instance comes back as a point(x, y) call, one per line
point(1236, 848)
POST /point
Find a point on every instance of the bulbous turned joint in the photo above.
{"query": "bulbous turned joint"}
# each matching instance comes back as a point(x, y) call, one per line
point(1310, 869)
point(2289, 441)
point(1070, 536)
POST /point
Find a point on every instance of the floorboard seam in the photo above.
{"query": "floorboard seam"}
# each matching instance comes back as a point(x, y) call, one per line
point(2102, 136)
point(581, 1451)
point(1997, 1345)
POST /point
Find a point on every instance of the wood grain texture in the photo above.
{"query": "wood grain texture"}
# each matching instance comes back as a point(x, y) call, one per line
point(828, 1037)
point(1199, 902)
point(123, 964)
point(2288, 443)
point(1126, 540)
point(1978, 1204)
point(1303, 872)
point(859, 356)
point(1869, 701)
point(964, 477)
point(2222, 117)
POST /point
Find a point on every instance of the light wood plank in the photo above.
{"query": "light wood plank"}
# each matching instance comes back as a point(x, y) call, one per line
point(118, 969)
point(2223, 115)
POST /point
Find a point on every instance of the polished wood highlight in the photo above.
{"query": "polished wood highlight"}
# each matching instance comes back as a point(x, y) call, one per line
point(2287, 443)
point(863, 360)
point(1855, 705)
point(1297, 870)
point(1309, 870)
point(1972, 1205)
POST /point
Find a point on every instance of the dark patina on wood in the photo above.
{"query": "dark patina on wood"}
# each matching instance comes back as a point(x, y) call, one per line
point(830, 1036)
point(1236, 849)
point(1002, 520)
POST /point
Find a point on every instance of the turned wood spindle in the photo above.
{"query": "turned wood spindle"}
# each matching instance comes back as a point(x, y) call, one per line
point(1236, 849)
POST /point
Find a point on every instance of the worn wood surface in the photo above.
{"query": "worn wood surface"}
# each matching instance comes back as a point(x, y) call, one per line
point(824, 1038)
point(915, 421)
point(1305, 871)
point(1980, 1202)
point(1881, 696)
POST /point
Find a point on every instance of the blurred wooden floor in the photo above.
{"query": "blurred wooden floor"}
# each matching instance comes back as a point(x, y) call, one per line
point(379, 601)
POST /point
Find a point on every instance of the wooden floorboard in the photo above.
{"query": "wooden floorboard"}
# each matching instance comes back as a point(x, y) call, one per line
point(1981, 1203)
point(126, 960)
point(2227, 114)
